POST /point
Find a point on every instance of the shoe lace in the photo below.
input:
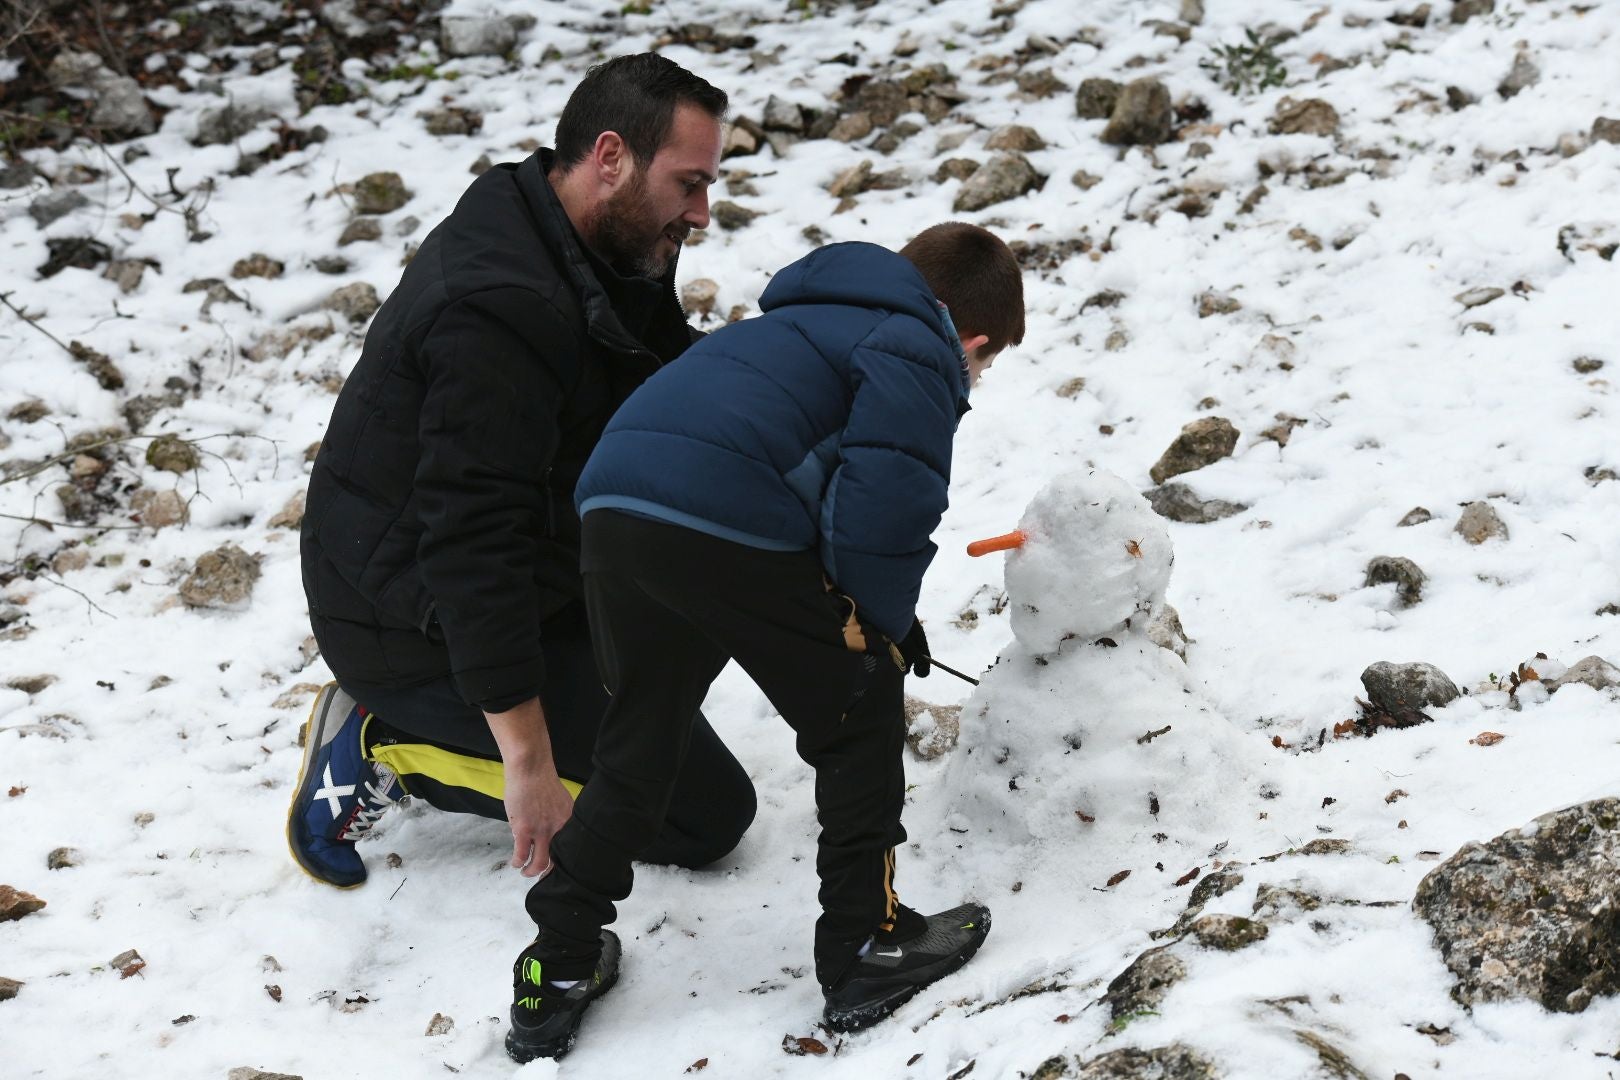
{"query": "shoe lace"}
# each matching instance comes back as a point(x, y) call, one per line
point(372, 805)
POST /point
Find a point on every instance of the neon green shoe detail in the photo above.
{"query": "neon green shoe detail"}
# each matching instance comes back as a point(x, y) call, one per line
point(531, 973)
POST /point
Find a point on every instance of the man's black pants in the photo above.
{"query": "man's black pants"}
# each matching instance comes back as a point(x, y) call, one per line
point(668, 607)
point(712, 802)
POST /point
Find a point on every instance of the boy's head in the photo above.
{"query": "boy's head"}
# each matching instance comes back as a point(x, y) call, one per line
point(977, 277)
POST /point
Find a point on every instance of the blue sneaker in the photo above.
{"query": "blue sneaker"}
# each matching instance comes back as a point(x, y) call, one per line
point(340, 794)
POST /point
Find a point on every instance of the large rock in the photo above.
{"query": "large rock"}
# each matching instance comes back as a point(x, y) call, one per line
point(1312, 116)
point(932, 730)
point(16, 904)
point(356, 302)
point(461, 35)
point(159, 509)
point(1142, 116)
point(1593, 671)
point(1403, 573)
point(781, 115)
point(1402, 690)
point(1178, 502)
point(1228, 933)
point(1142, 986)
point(1202, 442)
point(1534, 913)
point(1096, 98)
point(120, 107)
point(1003, 177)
point(380, 193)
point(1018, 137)
point(9, 988)
point(1480, 522)
point(222, 579)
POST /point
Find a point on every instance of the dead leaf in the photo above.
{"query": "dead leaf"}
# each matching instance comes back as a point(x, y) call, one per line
point(800, 1045)
point(1487, 738)
point(1398, 793)
point(1117, 878)
point(1277, 741)
point(1344, 727)
point(1188, 877)
point(913, 1059)
point(1133, 548)
point(127, 963)
point(16, 791)
point(698, 1066)
point(1085, 817)
point(274, 992)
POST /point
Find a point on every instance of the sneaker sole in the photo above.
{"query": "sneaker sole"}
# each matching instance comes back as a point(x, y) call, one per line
point(868, 1013)
point(523, 1052)
point(319, 714)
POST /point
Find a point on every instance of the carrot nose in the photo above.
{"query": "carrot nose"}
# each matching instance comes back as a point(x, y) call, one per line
point(1004, 542)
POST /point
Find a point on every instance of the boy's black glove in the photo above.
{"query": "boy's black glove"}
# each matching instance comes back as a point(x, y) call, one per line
point(914, 649)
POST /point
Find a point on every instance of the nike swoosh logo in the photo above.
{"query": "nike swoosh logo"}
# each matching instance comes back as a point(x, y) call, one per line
point(893, 953)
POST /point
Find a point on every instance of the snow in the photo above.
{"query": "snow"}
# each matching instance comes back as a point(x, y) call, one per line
point(1406, 403)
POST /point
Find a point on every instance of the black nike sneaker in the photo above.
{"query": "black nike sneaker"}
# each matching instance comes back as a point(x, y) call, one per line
point(545, 1018)
point(893, 970)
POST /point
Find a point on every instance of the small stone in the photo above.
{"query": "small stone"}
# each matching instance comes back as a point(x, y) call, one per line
point(1192, 12)
point(331, 264)
point(277, 344)
point(884, 99)
point(1165, 631)
point(1085, 181)
point(1038, 85)
point(1403, 573)
point(1142, 986)
point(34, 410)
point(15, 904)
point(1417, 18)
point(482, 165)
point(222, 579)
point(1463, 10)
point(1211, 302)
point(439, 1025)
point(1584, 365)
point(1311, 116)
point(1479, 297)
point(1202, 442)
point(1165, 28)
point(290, 516)
point(126, 274)
point(728, 215)
point(852, 127)
point(258, 265)
point(62, 858)
point(781, 115)
point(1173, 1062)
point(1015, 137)
point(1303, 236)
point(171, 453)
point(1458, 99)
point(1523, 75)
point(1142, 116)
point(1605, 129)
point(248, 1072)
point(31, 684)
point(1199, 150)
point(159, 509)
point(449, 120)
point(699, 296)
point(1003, 177)
point(101, 367)
point(226, 124)
point(464, 35)
point(1096, 98)
point(1178, 502)
point(1404, 690)
point(932, 731)
point(852, 181)
point(1479, 522)
point(356, 302)
point(9, 988)
point(360, 230)
point(1592, 671)
point(55, 205)
point(956, 168)
point(1228, 932)
point(380, 193)
point(738, 141)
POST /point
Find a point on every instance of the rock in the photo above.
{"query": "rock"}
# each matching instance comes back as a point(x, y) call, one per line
point(1479, 522)
point(1165, 28)
point(15, 904)
point(356, 302)
point(884, 100)
point(159, 509)
point(1015, 137)
point(226, 123)
point(1038, 85)
point(172, 454)
point(1463, 10)
point(1192, 12)
point(31, 684)
point(728, 215)
point(1178, 502)
point(1142, 116)
point(380, 193)
point(1166, 631)
point(1085, 181)
point(1479, 297)
point(1593, 671)
point(62, 858)
point(331, 264)
point(1458, 98)
point(1228, 933)
point(932, 731)
point(1417, 18)
point(248, 1072)
point(277, 344)
point(1142, 986)
point(1605, 129)
point(1211, 302)
point(486, 163)
point(360, 230)
point(1534, 913)
point(439, 1025)
point(222, 579)
point(852, 127)
point(1311, 116)
point(77, 504)
point(55, 205)
point(1523, 74)
point(1003, 177)
point(462, 35)
point(1403, 573)
point(698, 297)
point(1415, 516)
point(1202, 442)
point(120, 107)
point(852, 181)
point(1402, 690)
point(290, 516)
point(956, 168)
point(77, 252)
point(449, 120)
point(783, 115)
point(1096, 98)
point(738, 141)
point(126, 273)
point(1584, 365)
point(1173, 1062)
point(9, 988)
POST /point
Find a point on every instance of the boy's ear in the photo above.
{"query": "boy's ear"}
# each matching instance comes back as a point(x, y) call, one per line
point(971, 345)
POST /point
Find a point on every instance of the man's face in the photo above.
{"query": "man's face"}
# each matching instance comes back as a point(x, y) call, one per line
point(640, 227)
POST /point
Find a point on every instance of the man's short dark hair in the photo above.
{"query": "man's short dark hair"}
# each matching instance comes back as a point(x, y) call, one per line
point(636, 97)
point(977, 276)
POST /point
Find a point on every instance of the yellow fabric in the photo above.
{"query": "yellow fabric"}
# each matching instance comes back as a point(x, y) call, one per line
point(448, 768)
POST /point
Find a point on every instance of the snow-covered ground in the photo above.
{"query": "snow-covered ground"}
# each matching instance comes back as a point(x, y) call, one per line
point(166, 749)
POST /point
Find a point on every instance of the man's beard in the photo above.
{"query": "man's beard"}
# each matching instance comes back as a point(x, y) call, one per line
point(625, 234)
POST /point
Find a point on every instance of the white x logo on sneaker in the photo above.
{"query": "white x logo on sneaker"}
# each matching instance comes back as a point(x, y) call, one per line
point(333, 792)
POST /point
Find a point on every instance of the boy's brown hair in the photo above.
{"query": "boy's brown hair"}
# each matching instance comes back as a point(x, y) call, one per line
point(977, 276)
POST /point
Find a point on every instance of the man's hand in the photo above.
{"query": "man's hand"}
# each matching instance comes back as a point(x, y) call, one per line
point(914, 650)
point(537, 804)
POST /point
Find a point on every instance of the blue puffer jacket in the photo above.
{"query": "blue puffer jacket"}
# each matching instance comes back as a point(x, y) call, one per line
point(824, 423)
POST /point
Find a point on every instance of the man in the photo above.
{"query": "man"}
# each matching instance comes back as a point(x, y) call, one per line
point(769, 500)
point(440, 544)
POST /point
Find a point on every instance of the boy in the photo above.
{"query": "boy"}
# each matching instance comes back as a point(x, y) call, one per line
point(769, 499)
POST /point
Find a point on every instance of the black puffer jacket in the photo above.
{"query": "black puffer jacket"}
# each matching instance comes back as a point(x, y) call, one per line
point(440, 532)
